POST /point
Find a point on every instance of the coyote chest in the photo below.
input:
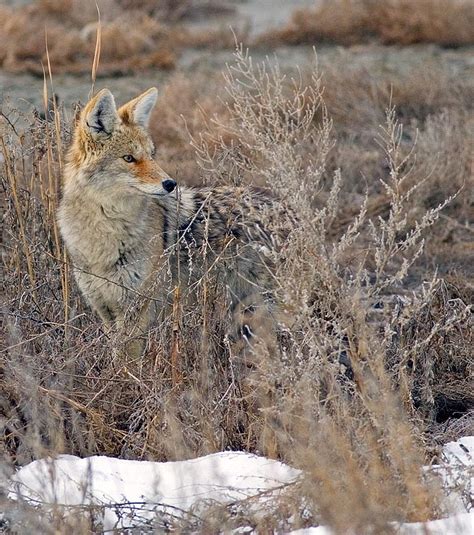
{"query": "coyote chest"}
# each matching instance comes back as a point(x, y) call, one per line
point(111, 248)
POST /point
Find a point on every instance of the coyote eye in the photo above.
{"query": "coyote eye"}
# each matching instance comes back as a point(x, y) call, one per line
point(129, 158)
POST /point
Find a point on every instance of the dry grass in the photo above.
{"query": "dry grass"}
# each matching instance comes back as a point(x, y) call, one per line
point(402, 22)
point(135, 35)
point(434, 104)
point(130, 40)
point(373, 367)
point(145, 34)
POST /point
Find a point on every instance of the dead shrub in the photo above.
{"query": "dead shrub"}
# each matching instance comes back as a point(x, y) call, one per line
point(342, 21)
point(433, 102)
point(323, 421)
point(435, 106)
point(406, 22)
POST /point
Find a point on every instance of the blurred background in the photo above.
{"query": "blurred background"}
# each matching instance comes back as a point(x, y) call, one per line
point(154, 38)
point(157, 38)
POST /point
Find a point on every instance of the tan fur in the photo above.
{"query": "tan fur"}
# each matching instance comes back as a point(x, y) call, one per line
point(117, 220)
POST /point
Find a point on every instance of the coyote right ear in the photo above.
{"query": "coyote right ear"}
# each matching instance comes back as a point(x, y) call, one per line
point(100, 115)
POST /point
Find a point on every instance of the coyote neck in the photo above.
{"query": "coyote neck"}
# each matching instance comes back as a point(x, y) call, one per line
point(105, 230)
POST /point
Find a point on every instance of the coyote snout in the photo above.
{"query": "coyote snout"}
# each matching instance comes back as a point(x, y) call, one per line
point(168, 185)
point(122, 219)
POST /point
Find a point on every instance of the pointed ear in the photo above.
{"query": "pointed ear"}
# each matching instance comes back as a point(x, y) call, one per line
point(138, 110)
point(100, 115)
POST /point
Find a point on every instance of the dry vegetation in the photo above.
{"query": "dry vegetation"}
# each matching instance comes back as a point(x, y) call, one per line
point(403, 22)
point(434, 104)
point(373, 367)
point(136, 34)
point(142, 34)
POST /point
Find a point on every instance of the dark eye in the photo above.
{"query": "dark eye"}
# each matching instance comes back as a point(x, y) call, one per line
point(129, 158)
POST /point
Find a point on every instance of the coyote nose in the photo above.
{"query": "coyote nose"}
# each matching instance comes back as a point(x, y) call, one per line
point(169, 185)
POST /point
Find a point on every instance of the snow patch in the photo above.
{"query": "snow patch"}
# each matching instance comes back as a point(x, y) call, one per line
point(457, 474)
point(462, 524)
point(127, 486)
point(131, 493)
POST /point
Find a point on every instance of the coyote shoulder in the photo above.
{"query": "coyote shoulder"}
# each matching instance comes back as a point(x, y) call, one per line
point(131, 231)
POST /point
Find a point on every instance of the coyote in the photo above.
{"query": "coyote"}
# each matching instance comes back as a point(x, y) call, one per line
point(133, 235)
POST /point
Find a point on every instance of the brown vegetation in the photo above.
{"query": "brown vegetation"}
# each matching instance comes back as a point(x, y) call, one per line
point(402, 22)
point(130, 40)
point(373, 369)
point(144, 34)
point(135, 35)
point(434, 104)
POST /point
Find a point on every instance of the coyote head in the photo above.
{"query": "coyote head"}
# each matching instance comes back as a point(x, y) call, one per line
point(112, 148)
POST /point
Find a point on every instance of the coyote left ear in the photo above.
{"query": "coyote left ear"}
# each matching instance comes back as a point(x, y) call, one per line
point(138, 110)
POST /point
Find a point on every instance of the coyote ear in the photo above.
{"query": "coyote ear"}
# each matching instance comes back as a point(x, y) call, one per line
point(138, 110)
point(100, 114)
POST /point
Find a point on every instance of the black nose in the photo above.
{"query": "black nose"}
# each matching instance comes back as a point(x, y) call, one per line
point(169, 185)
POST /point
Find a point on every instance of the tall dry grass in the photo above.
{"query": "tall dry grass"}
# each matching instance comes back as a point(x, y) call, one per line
point(373, 362)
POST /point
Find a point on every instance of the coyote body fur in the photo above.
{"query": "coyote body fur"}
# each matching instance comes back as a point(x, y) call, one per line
point(133, 236)
point(122, 247)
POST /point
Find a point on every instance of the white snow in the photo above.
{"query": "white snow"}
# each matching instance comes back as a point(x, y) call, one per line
point(460, 452)
point(132, 492)
point(457, 474)
point(462, 524)
point(172, 487)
